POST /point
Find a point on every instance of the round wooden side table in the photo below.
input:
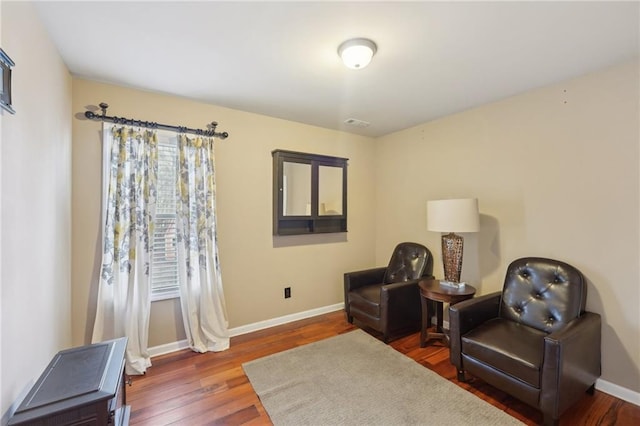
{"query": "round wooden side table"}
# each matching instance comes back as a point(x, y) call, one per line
point(432, 290)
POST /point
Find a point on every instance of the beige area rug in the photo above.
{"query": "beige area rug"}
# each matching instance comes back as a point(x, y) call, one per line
point(354, 379)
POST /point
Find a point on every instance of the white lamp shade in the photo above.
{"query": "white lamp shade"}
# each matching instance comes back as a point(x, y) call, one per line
point(357, 53)
point(459, 215)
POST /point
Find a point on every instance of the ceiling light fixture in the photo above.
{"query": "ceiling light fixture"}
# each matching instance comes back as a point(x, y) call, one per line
point(357, 52)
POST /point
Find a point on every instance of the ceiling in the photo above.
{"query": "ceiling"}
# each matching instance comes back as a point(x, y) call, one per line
point(280, 58)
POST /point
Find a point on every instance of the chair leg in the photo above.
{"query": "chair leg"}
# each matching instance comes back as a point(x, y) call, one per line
point(461, 377)
point(592, 389)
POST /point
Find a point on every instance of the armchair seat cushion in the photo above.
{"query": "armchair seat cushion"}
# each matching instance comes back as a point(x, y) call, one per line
point(367, 299)
point(508, 346)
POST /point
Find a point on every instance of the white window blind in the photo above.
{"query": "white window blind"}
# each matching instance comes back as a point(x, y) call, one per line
point(164, 267)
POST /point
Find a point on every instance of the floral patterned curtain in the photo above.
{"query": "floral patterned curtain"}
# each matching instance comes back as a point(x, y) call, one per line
point(201, 295)
point(128, 208)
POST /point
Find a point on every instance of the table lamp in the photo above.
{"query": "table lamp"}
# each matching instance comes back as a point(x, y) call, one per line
point(450, 216)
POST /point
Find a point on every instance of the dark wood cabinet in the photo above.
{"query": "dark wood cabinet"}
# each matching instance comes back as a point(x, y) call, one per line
point(83, 386)
point(309, 193)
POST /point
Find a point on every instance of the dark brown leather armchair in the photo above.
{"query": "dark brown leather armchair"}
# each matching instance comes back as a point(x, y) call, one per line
point(534, 339)
point(387, 299)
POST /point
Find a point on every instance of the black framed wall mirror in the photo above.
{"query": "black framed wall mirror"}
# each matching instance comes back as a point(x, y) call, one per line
point(309, 193)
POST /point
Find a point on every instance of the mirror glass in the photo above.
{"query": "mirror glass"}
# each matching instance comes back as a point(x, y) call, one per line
point(329, 191)
point(296, 187)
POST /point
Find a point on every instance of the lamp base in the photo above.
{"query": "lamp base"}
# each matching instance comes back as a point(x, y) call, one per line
point(452, 246)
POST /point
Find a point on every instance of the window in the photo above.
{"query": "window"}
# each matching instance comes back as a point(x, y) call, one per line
point(164, 262)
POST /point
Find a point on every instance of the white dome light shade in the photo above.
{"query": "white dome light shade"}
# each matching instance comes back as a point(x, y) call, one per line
point(357, 53)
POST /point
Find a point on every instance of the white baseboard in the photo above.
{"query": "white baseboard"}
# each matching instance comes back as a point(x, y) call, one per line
point(618, 391)
point(601, 385)
point(249, 328)
point(261, 325)
point(168, 348)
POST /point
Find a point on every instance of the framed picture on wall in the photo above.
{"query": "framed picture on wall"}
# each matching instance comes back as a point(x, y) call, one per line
point(5, 76)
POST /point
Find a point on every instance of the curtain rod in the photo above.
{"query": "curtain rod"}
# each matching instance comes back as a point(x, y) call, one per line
point(210, 132)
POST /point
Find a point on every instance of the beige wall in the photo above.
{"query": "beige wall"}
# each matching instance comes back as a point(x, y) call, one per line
point(255, 265)
point(556, 172)
point(36, 205)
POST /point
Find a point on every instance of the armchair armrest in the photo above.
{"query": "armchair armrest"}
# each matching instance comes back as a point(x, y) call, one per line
point(401, 293)
point(397, 289)
point(467, 315)
point(571, 363)
point(392, 292)
point(357, 279)
point(401, 297)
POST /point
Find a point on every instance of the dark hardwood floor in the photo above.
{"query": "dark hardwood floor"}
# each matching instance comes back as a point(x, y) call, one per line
point(187, 388)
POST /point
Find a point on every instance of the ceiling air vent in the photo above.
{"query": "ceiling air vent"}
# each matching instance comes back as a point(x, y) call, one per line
point(356, 123)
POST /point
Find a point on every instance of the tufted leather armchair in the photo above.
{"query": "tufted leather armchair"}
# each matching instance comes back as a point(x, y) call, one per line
point(387, 299)
point(534, 339)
